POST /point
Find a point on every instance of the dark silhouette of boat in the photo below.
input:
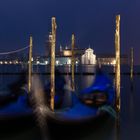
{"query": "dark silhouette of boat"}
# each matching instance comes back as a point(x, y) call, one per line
point(100, 93)
point(13, 91)
point(90, 104)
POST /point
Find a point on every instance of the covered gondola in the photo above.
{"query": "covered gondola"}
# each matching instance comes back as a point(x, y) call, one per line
point(90, 104)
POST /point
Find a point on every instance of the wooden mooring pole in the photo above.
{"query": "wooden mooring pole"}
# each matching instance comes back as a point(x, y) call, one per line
point(53, 42)
point(117, 76)
point(30, 65)
point(73, 61)
point(117, 70)
point(131, 64)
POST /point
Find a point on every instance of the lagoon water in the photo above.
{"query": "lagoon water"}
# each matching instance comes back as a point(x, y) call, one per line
point(129, 125)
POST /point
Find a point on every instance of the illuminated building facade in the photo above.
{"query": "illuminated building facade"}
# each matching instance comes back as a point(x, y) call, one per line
point(89, 57)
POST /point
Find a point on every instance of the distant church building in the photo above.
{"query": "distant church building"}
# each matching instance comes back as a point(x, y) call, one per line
point(89, 57)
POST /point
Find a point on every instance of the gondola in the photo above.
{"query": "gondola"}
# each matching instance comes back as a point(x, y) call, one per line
point(17, 104)
point(78, 112)
point(100, 93)
point(84, 117)
point(15, 108)
point(90, 104)
point(16, 115)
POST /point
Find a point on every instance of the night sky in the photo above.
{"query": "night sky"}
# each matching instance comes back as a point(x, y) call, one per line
point(92, 21)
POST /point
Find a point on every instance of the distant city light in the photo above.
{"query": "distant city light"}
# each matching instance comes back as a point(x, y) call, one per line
point(16, 62)
point(46, 62)
point(57, 62)
point(5, 62)
point(38, 62)
point(113, 62)
point(69, 61)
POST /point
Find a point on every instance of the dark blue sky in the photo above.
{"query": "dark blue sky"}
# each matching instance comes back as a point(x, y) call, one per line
point(92, 21)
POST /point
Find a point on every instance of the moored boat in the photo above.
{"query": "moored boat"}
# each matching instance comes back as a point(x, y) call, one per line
point(90, 104)
point(100, 94)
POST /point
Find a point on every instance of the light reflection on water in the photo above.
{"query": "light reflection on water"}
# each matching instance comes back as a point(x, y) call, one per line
point(129, 117)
